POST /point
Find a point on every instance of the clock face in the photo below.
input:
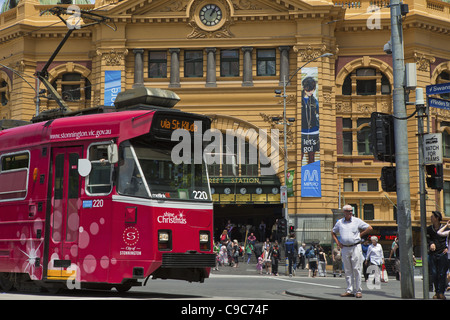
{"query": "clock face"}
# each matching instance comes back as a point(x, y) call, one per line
point(243, 190)
point(258, 190)
point(210, 15)
point(227, 190)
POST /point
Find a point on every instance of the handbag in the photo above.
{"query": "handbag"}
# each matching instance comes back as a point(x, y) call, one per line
point(384, 274)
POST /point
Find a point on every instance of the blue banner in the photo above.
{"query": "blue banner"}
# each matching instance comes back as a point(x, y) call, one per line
point(310, 137)
point(112, 86)
point(311, 183)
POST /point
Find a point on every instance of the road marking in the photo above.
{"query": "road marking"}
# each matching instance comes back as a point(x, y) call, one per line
point(302, 282)
point(215, 275)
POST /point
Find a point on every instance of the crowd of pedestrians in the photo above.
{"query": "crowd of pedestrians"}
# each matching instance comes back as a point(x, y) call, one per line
point(267, 255)
point(358, 256)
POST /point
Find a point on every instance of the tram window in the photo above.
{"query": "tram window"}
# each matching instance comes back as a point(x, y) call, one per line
point(130, 181)
point(99, 180)
point(15, 161)
point(57, 222)
point(59, 176)
point(13, 176)
point(72, 221)
point(74, 177)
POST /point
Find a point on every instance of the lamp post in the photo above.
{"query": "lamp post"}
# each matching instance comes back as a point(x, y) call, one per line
point(285, 124)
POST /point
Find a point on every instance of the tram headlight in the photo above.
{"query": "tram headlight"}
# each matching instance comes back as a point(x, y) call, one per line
point(163, 237)
point(205, 243)
point(164, 240)
point(204, 237)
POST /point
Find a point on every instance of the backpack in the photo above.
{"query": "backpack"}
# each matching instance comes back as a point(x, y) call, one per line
point(289, 246)
point(310, 253)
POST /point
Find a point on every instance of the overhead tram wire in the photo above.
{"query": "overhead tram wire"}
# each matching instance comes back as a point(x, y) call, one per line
point(102, 9)
point(84, 14)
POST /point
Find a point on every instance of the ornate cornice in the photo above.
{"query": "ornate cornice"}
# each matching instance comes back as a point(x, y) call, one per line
point(309, 53)
point(113, 57)
point(423, 61)
point(198, 33)
point(246, 5)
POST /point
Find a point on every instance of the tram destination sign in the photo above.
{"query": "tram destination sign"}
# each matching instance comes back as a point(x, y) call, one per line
point(432, 148)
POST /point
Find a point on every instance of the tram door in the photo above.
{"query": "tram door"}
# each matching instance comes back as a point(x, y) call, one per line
point(64, 217)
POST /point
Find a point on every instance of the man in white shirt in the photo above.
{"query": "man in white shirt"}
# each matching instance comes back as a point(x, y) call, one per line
point(351, 230)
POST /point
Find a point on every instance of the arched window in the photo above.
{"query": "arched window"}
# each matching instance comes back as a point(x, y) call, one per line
point(366, 81)
point(72, 86)
point(445, 125)
point(4, 92)
point(239, 158)
point(444, 77)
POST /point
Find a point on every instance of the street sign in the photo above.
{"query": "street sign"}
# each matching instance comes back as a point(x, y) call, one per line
point(439, 103)
point(283, 194)
point(438, 88)
point(432, 148)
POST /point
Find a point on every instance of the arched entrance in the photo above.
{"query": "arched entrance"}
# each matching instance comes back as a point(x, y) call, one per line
point(245, 180)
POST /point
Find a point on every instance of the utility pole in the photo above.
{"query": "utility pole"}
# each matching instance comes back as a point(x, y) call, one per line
point(420, 106)
point(401, 155)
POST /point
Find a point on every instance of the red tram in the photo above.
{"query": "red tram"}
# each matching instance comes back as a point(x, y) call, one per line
point(95, 200)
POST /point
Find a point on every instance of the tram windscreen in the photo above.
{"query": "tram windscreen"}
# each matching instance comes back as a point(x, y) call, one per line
point(147, 170)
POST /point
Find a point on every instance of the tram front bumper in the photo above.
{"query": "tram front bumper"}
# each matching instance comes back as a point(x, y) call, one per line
point(191, 266)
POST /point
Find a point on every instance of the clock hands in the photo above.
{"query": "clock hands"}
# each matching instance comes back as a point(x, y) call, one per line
point(210, 14)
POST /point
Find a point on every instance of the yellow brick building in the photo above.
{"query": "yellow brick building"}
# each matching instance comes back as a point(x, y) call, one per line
point(226, 58)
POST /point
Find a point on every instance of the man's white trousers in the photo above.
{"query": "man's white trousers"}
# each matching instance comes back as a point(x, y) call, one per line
point(353, 259)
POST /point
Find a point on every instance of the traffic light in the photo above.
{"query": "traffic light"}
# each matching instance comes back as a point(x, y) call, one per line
point(291, 229)
point(382, 136)
point(388, 179)
point(282, 227)
point(435, 176)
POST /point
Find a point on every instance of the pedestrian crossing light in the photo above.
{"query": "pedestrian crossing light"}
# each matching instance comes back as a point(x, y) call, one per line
point(435, 176)
point(282, 227)
point(388, 179)
point(382, 142)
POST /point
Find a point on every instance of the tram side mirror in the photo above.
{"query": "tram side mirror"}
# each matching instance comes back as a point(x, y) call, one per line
point(234, 166)
point(113, 154)
point(84, 167)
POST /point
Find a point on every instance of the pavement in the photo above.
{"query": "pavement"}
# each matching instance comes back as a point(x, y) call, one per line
point(329, 287)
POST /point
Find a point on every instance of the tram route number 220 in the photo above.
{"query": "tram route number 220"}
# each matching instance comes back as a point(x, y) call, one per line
point(95, 203)
point(200, 195)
